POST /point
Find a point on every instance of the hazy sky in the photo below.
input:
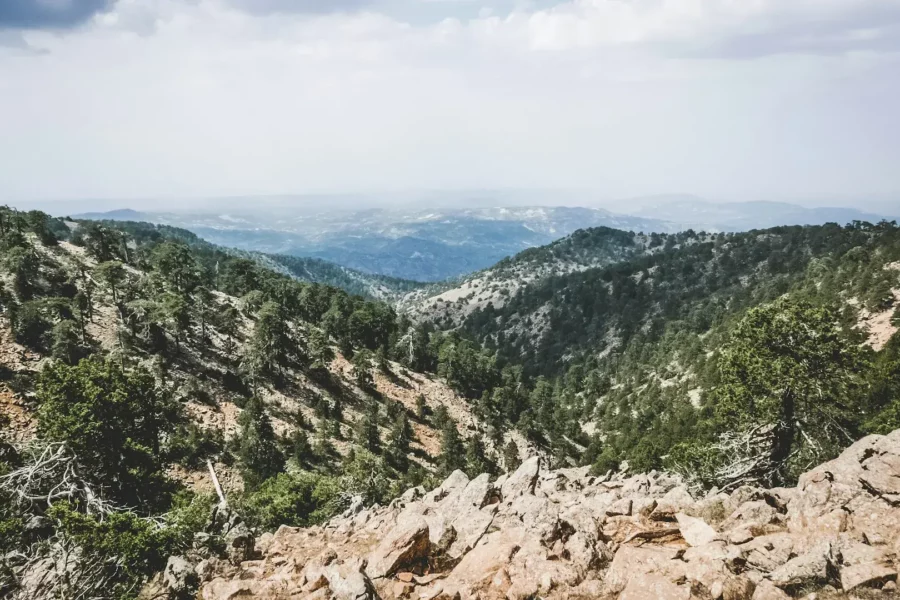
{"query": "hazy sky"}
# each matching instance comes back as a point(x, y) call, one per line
point(733, 99)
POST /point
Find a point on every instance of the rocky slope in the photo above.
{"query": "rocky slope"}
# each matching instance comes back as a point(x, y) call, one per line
point(567, 534)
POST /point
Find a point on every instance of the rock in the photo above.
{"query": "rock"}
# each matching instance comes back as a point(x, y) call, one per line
point(348, 582)
point(654, 587)
point(401, 589)
point(866, 575)
point(470, 528)
point(754, 514)
point(456, 482)
point(766, 590)
point(180, 578)
point(567, 535)
point(738, 588)
point(631, 562)
point(619, 508)
point(239, 543)
point(804, 571)
point(695, 532)
point(675, 501)
point(523, 480)
point(406, 545)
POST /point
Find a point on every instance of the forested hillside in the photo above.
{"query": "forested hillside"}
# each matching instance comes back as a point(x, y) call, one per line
point(132, 354)
point(689, 343)
point(449, 303)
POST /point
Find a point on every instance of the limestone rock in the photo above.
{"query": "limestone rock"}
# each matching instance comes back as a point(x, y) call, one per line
point(565, 534)
point(654, 587)
point(523, 480)
point(695, 532)
point(407, 544)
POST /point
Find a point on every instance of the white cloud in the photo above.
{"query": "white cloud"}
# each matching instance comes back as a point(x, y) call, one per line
point(168, 98)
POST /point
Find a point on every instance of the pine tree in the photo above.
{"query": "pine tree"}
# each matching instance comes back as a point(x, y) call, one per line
point(477, 460)
point(790, 366)
point(66, 346)
point(257, 449)
point(229, 324)
point(441, 417)
point(270, 345)
point(206, 309)
point(381, 360)
point(301, 448)
point(511, 460)
point(320, 351)
point(453, 452)
point(367, 430)
point(113, 274)
point(401, 436)
point(324, 449)
point(362, 369)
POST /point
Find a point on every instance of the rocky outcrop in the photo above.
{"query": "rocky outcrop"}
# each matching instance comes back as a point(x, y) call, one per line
point(566, 534)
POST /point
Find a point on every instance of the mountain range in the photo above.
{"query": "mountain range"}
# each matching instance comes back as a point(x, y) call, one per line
point(436, 244)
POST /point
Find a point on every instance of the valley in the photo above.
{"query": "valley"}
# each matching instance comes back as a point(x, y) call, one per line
point(314, 391)
point(444, 241)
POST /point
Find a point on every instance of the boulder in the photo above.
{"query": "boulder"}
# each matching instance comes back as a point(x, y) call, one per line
point(180, 578)
point(805, 571)
point(403, 548)
point(523, 480)
point(620, 508)
point(654, 587)
point(695, 532)
point(567, 535)
point(866, 575)
point(349, 582)
point(675, 501)
point(635, 563)
point(766, 590)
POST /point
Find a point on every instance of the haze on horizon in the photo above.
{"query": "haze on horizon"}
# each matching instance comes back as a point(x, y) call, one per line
point(137, 102)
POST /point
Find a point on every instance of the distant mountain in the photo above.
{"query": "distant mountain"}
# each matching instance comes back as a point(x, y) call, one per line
point(312, 270)
point(691, 212)
point(422, 245)
point(438, 244)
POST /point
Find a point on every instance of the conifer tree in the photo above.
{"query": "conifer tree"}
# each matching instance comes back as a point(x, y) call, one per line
point(477, 460)
point(301, 448)
point(362, 369)
point(270, 345)
point(453, 452)
point(401, 436)
point(511, 460)
point(257, 449)
point(320, 351)
point(367, 430)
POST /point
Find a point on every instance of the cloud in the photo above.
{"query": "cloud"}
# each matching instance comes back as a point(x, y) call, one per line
point(724, 98)
point(38, 14)
point(713, 28)
point(300, 6)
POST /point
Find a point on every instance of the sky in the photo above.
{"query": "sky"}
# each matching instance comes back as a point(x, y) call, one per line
point(145, 101)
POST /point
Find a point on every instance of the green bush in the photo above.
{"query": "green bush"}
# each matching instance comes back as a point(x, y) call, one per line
point(297, 500)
